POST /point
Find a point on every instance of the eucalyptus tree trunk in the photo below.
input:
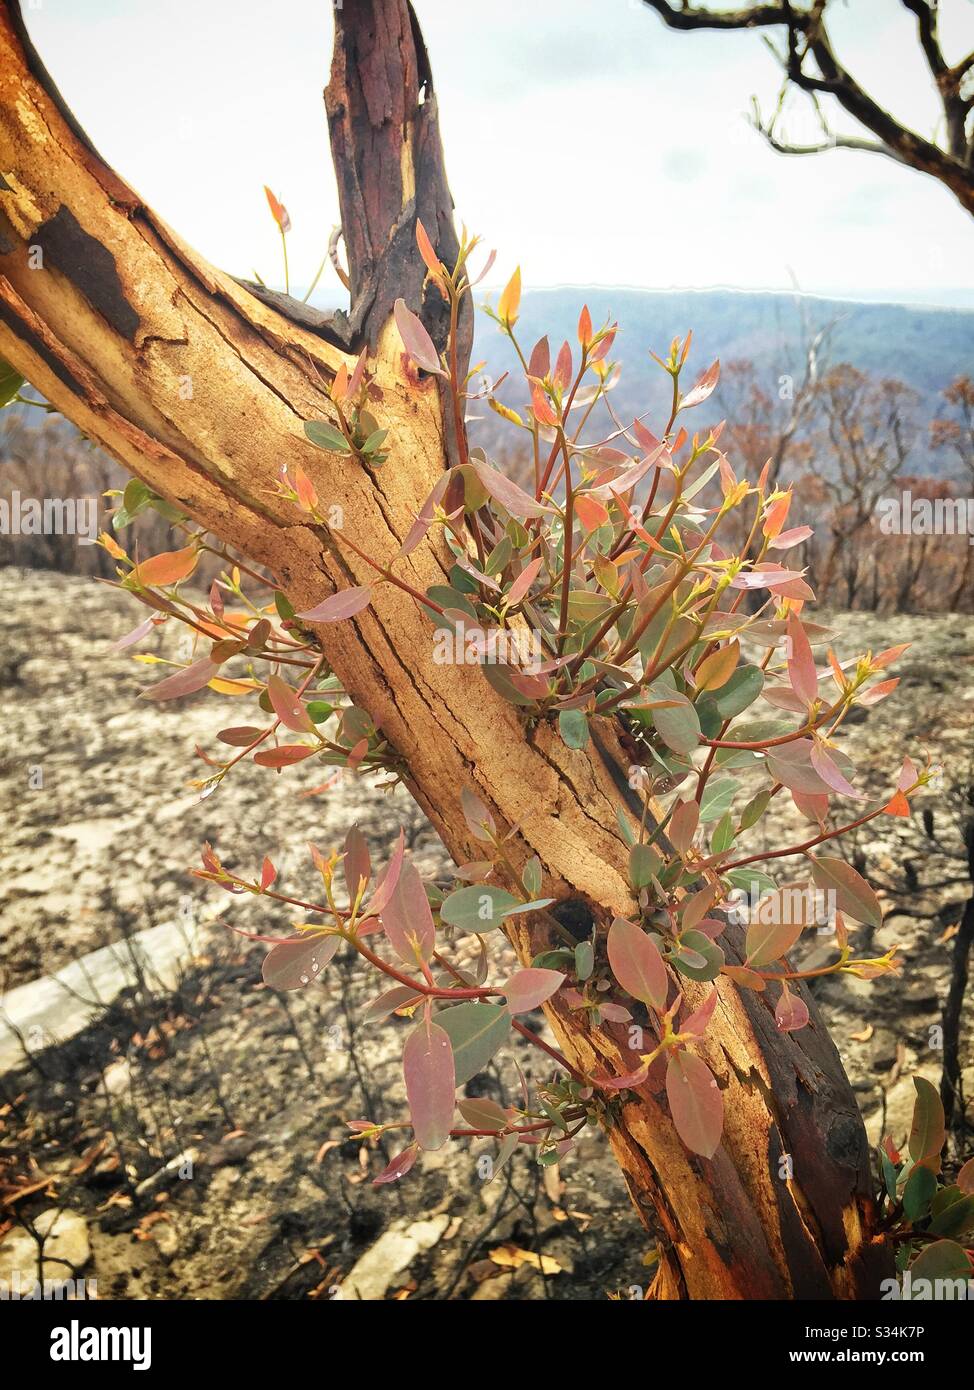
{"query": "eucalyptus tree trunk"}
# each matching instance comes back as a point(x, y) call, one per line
point(199, 385)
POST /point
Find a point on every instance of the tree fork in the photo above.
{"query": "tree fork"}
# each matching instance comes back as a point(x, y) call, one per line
point(120, 318)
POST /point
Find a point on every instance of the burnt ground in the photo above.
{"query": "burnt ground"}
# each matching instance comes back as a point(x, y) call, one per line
point(252, 1087)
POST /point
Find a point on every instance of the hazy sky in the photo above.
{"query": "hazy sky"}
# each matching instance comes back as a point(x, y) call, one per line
point(583, 139)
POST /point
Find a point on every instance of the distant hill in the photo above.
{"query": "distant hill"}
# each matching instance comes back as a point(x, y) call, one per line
point(924, 346)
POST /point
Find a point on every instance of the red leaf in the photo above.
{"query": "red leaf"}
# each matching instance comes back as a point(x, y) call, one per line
point(267, 873)
point(697, 1021)
point(522, 584)
point(286, 756)
point(590, 513)
point(539, 363)
point(791, 1013)
point(585, 326)
point(526, 989)
point(278, 211)
point(563, 368)
point(430, 258)
point(345, 604)
point(695, 1101)
point(399, 1166)
point(636, 963)
point(430, 1076)
point(287, 706)
point(898, 805)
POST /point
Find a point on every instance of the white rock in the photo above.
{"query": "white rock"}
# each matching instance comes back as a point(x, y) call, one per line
point(394, 1251)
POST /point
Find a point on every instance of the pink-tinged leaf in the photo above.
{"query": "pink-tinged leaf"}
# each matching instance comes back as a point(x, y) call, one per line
point(791, 538)
point(388, 1002)
point(417, 342)
point(790, 1013)
point(615, 1013)
point(683, 825)
point(622, 1083)
point(522, 584)
point(356, 862)
point(853, 894)
point(507, 493)
point(185, 682)
point(288, 707)
point(695, 1101)
point(482, 1113)
point(908, 775)
point(743, 977)
point(527, 989)
point(486, 270)
point(636, 963)
point(543, 412)
point(389, 877)
point(240, 736)
point(286, 756)
point(696, 1022)
point(763, 578)
point(358, 372)
point(812, 806)
point(801, 663)
point(424, 520)
point(267, 873)
point(602, 348)
point(539, 363)
point(776, 516)
point(136, 635)
point(399, 1166)
point(563, 368)
point(408, 919)
point(877, 692)
point(430, 1076)
point(777, 921)
point(430, 258)
point(298, 962)
point(216, 599)
point(480, 822)
point(829, 773)
point(590, 512)
point(168, 568)
point(345, 604)
point(704, 388)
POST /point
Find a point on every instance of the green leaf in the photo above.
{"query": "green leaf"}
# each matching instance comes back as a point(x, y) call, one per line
point(700, 945)
point(853, 894)
point(478, 908)
point(717, 798)
point(326, 436)
point(319, 710)
point(10, 383)
point(573, 727)
point(476, 1032)
point(678, 726)
point(644, 865)
point(743, 688)
point(942, 1260)
point(585, 960)
point(723, 835)
point(927, 1132)
point(531, 876)
point(374, 440)
point(755, 809)
point(918, 1193)
point(955, 1220)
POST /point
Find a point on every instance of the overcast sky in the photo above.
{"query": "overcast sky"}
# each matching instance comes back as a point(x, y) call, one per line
point(583, 139)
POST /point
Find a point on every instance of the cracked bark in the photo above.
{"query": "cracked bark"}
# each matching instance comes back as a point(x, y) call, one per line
point(112, 338)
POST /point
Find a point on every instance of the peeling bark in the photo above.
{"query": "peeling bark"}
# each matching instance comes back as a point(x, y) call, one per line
point(112, 335)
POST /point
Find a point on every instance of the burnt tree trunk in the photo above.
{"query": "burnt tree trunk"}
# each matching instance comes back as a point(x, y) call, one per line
point(121, 316)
